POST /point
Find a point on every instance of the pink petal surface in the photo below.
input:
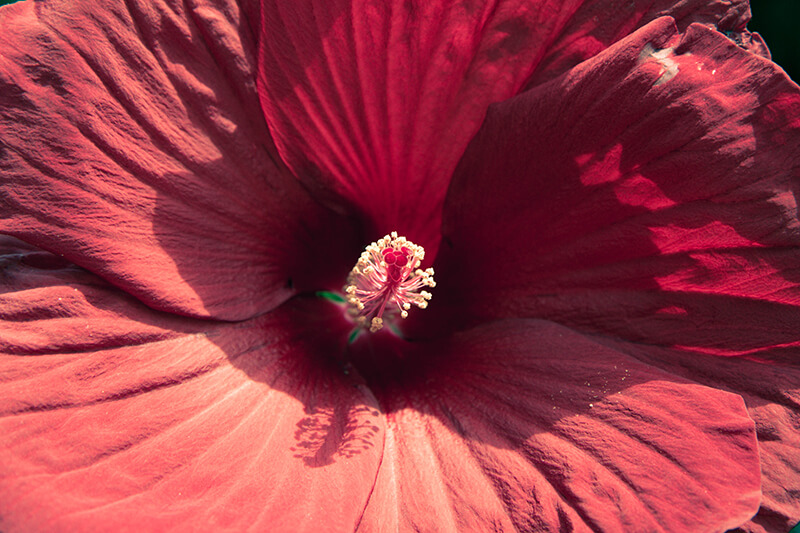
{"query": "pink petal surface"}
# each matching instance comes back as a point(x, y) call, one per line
point(169, 423)
point(771, 390)
point(132, 144)
point(646, 195)
point(524, 425)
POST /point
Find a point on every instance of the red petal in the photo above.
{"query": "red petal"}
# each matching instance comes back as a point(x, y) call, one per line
point(596, 24)
point(132, 144)
point(771, 390)
point(527, 426)
point(377, 100)
point(637, 200)
point(190, 425)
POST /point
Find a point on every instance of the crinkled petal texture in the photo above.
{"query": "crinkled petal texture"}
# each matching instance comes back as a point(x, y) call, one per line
point(650, 194)
point(771, 390)
point(374, 102)
point(133, 144)
point(114, 417)
point(132, 141)
point(524, 425)
point(596, 24)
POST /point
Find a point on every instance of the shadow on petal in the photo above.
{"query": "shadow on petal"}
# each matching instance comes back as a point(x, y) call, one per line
point(663, 214)
point(524, 424)
point(114, 413)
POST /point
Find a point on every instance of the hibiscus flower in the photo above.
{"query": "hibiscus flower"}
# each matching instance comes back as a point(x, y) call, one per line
point(607, 194)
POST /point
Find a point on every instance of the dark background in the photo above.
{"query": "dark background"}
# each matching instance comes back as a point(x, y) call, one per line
point(778, 21)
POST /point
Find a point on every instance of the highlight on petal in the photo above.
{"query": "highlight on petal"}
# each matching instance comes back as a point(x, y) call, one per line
point(524, 425)
point(770, 387)
point(170, 423)
point(132, 144)
point(650, 194)
point(597, 24)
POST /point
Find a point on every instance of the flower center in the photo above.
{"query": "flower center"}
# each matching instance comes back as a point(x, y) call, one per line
point(387, 279)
